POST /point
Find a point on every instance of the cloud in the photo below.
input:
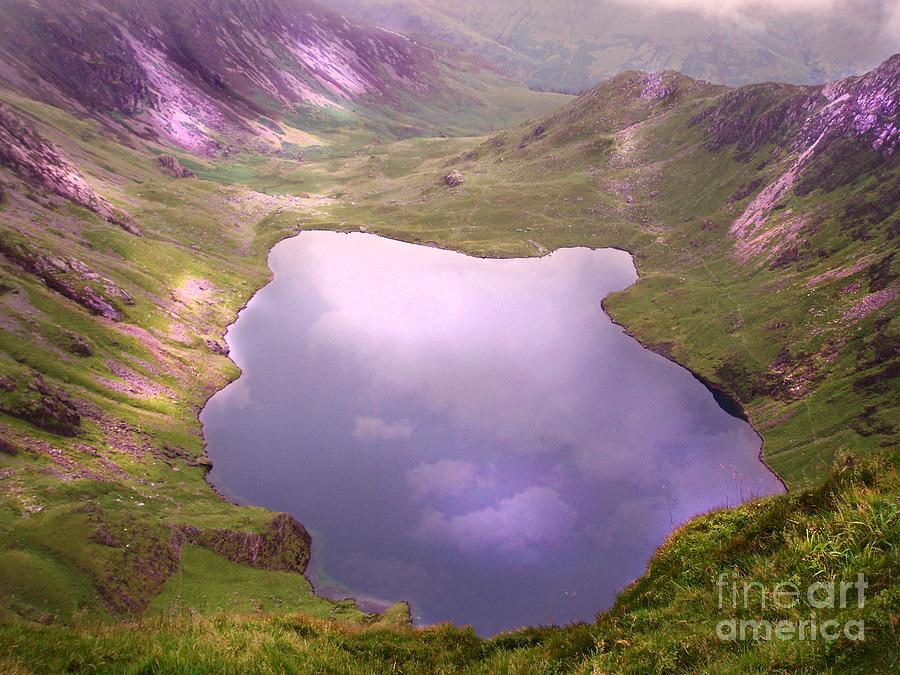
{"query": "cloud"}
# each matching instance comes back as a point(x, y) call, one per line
point(521, 524)
point(891, 26)
point(731, 7)
point(754, 13)
point(446, 477)
point(377, 429)
point(484, 379)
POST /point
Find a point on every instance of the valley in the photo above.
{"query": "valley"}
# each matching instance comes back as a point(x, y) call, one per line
point(570, 45)
point(762, 221)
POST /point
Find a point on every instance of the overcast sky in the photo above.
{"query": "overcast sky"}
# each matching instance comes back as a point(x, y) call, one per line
point(747, 10)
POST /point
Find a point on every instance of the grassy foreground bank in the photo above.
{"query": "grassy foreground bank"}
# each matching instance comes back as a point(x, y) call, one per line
point(665, 623)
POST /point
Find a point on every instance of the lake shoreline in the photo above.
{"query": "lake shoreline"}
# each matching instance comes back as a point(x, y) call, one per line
point(273, 275)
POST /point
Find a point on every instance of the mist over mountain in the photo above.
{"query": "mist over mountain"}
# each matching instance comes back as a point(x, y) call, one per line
point(572, 44)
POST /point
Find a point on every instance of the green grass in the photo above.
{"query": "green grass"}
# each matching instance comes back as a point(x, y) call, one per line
point(209, 583)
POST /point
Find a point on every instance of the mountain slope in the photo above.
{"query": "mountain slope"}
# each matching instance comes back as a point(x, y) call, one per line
point(209, 76)
point(571, 44)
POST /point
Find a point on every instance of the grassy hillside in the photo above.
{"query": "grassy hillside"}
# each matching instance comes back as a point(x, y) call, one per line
point(117, 556)
point(93, 513)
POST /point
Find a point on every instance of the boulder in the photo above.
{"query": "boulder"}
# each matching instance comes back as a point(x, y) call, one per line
point(454, 179)
point(171, 166)
point(76, 344)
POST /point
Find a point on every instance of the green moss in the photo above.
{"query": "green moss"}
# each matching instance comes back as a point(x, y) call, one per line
point(208, 583)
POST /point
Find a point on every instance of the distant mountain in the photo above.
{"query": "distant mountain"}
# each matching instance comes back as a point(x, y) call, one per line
point(572, 44)
point(209, 75)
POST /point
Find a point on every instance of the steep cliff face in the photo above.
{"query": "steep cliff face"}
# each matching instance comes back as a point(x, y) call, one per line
point(284, 544)
point(208, 75)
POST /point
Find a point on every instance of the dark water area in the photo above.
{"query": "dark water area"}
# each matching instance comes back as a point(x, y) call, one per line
point(474, 436)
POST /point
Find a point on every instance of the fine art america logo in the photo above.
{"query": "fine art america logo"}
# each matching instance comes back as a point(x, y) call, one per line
point(785, 596)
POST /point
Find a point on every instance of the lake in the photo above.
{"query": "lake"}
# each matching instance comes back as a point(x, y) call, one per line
point(475, 436)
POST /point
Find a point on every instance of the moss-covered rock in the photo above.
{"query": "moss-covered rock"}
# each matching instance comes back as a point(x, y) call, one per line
point(284, 545)
point(29, 397)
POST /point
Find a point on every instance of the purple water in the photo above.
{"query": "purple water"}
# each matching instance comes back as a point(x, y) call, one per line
point(474, 436)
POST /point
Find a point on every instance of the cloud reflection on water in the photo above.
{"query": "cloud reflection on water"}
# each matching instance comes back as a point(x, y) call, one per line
point(453, 417)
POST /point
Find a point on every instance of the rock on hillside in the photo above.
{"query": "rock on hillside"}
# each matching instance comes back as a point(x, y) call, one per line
point(69, 277)
point(172, 167)
point(284, 545)
point(30, 398)
point(454, 179)
point(40, 163)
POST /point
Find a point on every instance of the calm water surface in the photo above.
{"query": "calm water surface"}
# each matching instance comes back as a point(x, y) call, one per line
point(474, 436)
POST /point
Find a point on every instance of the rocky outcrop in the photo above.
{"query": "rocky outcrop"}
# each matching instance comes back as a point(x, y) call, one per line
point(140, 558)
point(217, 347)
point(657, 86)
point(40, 163)
point(454, 179)
point(796, 118)
point(823, 137)
point(30, 398)
point(284, 545)
point(171, 166)
point(69, 277)
point(865, 107)
point(755, 115)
